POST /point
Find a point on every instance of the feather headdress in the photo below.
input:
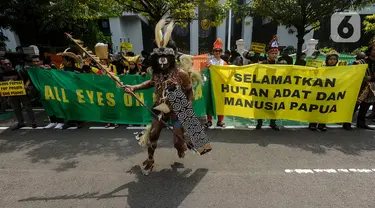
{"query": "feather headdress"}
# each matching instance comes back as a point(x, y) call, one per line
point(69, 54)
point(186, 63)
point(163, 39)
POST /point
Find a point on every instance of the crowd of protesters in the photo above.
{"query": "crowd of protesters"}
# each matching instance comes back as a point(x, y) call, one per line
point(129, 63)
point(16, 68)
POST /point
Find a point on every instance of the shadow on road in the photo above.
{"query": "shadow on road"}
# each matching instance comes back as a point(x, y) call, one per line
point(167, 188)
point(352, 142)
point(43, 145)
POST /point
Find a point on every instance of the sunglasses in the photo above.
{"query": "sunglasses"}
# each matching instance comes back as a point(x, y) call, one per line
point(216, 51)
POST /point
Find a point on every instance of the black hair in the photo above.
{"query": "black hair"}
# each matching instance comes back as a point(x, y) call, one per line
point(368, 51)
point(34, 56)
point(303, 54)
point(130, 53)
point(47, 60)
point(86, 69)
point(227, 52)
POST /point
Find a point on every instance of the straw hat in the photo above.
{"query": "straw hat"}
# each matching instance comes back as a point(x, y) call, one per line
point(69, 54)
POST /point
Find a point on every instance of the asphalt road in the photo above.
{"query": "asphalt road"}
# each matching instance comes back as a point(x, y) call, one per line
point(99, 168)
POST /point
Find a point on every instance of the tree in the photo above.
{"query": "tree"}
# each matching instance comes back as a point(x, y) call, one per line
point(304, 15)
point(42, 21)
point(369, 24)
point(181, 11)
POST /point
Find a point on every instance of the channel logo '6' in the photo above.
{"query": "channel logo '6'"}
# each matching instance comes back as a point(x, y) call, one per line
point(345, 27)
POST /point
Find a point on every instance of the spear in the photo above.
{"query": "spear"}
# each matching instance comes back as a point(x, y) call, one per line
point(116, 79)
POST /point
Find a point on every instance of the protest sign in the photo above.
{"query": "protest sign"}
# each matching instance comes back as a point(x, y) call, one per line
point(12, 88)
point(324, 95)
point(258, 47)
point(89, 97)
point(314, 63)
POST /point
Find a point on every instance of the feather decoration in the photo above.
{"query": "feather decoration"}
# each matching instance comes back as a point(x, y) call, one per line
point(96, 59)
point(168, 33)
point(159, 33)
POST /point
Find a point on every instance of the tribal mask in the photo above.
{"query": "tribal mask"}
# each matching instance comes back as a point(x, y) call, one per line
point(163, 57)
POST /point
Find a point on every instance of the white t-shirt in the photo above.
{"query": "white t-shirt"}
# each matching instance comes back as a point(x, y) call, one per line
point(214, 61)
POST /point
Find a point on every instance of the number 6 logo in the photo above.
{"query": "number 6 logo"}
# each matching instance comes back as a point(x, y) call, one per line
point(345, 27)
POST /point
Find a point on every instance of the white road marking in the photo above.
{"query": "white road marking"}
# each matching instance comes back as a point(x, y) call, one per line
point(3, 128)
point(350, 170)
point(31, 128)
point(136, 127)
point(101, 127)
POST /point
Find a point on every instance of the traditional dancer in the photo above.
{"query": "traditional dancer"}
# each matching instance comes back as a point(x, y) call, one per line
point(217, 51)
point(174, 95)
point(273, 51)
point(367, 93)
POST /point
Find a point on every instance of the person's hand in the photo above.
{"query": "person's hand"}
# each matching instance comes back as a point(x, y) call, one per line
point(143, 73)
point(128, 88)
point(208, 65)
point(368, 78)
point(26, 87)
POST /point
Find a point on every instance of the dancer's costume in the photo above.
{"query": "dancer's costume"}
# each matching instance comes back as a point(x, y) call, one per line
point(173, 98)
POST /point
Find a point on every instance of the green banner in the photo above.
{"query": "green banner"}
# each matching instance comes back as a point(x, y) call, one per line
point(89, 97)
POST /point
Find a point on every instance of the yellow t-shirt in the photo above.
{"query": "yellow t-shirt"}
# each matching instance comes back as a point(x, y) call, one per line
point(113, 68)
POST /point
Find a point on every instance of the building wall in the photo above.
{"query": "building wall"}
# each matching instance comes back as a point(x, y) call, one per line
point(128, 28)
point(287, 39)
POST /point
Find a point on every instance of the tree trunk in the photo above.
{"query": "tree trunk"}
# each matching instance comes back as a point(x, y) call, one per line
point(300, 37)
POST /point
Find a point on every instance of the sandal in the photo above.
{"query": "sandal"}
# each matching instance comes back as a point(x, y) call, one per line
point(116, 125)
point(208, 124)
point(220, 124)
point(108, 125)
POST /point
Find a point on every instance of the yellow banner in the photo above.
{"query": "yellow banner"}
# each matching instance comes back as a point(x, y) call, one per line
point(12, 88)
point(324, 95)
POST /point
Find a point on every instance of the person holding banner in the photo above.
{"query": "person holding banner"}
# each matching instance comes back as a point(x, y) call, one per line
point(217, 51)
point(10, 74)
point(273, 52)
point(332, 59)
point(366, 95)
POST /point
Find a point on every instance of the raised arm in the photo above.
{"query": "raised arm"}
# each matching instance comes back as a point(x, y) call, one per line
point(187, 85)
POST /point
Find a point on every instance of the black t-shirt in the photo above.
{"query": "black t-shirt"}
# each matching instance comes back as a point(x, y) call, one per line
point(10, 75)
point(288, 59)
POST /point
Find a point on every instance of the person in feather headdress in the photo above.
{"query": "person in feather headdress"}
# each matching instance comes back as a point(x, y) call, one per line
point(173, 99)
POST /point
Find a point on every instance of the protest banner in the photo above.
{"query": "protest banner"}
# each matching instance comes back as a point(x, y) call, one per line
point(314, 63)
point(12, 88)
point(258, 47)
point(89, 97)
point(324, 95)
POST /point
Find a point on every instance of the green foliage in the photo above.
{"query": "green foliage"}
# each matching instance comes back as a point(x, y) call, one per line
point(326, 49)
point(181, 11)
point(369, 24)
point(359, 50)
point(3, 39)
point(42, 21)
